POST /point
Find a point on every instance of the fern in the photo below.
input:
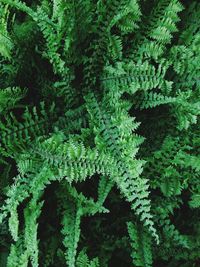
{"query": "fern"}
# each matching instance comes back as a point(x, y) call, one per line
point(99, 129)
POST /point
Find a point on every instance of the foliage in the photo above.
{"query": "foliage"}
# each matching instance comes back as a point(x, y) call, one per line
point(99, 133)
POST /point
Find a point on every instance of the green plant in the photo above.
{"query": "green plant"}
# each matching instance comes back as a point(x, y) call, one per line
point(99, 133)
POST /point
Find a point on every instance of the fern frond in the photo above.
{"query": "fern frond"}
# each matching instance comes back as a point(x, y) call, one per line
point(170, 231)
point(83, 260)
point(128, 169)
point(132, 77)
point(20, 5)
point(27, 247)
point(72, 159)
point(6, 44)
point(157, 31)
point(151, 100)
point(16, 135)
point(195, 200)
point(141, 246)
point(9, 97)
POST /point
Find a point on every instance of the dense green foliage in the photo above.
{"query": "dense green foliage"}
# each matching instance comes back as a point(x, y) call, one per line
point(99, 133)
